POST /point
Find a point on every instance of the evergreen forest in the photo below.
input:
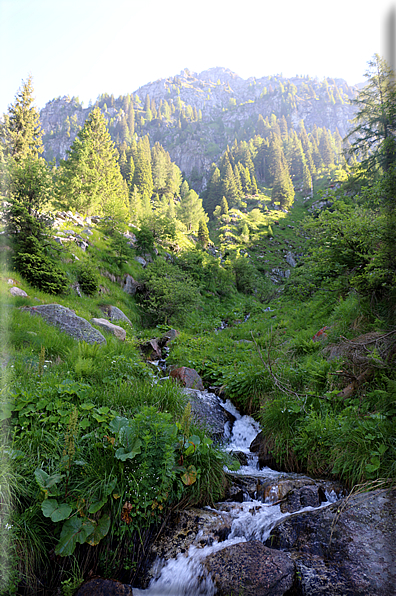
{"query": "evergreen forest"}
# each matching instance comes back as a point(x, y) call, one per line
point(257, 239)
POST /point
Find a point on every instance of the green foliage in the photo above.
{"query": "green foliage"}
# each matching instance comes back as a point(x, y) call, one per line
point(87, 277)
point(168, 293)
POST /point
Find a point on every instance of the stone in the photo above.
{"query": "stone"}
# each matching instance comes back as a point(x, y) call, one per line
point(152, 349)
point(115, 314)
point(130, 286)
point(251, 569)
point(341, 551)
point(115, 330)
point(260, 446)
point(169, 336)
point(18, 292)
point(68, 322)
point(188, 377)
point(208, 412)
point(141, 261)
point(104, 587)
point(290, 260)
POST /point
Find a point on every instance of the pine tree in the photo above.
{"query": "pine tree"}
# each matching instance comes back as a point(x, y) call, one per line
point(90, 180)
point(325, 149)
point(21, 131)
point(203, 233)
point(142, 177)
point(190, 211)
point(213, 194)
point(224, 206)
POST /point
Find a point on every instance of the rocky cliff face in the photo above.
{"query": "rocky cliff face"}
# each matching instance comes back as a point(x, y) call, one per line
point(229, 105)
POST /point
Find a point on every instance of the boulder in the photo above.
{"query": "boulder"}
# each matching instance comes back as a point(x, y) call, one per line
point(141, 261)
point(115, 314)
point(104, 587)
point(251, 569)
point(260, 446)
point(68, 322)
point(208, 412)
point(169, 336)
point(188, 377)
point(152, 349)
point(343, 551)
point(115, 330)
point(130, 285)
point(290, 260)
point(18, 292)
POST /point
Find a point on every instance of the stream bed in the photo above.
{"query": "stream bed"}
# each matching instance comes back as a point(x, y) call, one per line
point(250, 517)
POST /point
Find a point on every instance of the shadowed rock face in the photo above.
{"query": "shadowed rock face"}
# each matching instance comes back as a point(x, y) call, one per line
point(104, 587)
point(251, 569)
point(68, 322)
point(360, 558)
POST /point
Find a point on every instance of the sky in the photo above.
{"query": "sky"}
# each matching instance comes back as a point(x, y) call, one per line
point(87, 47)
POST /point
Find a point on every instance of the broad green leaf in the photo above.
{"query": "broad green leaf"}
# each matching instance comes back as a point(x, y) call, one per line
point(96, 505)
point(87, 406)
point(75, 530)
point(234, 467)
point(123, 455)
point(44, 480)
point(42, 403)
point(6, 411)
point(103, 410)
point(117, 423)
point(99, 418)
point(189, 476)
point(56, 512)
point(84, 423)
point(100, 531)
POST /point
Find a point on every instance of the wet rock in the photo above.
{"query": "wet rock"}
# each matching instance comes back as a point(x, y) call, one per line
point(347, 554)
point(251, 569)
point(261, 447)
point(115, 330)
point(208, 412)
point(104, 587)
point(188, 377)
point(18, 292)
point(68, 322)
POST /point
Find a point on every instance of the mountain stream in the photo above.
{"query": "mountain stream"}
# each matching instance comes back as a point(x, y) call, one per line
point(251, 519)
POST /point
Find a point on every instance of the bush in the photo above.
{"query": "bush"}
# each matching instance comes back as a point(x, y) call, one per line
point(37, 268)
point(87, 278)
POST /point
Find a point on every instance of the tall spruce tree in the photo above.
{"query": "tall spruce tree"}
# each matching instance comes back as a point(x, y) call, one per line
point(90, 179)
point(203, 233)
point(21, 131)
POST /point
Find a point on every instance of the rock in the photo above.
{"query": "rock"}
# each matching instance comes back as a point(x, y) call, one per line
point(104, 587)
point(188, 377)
point(359, 560)
point(290, 260)
point(18, 292)
point(115, 314)
point(115, 330)
point(130, 285)
point(169, 336)
point(251, 569)
point(142, 261)
point(208, 412)
point(68, 322)
point(152, 349)
point(260, 446)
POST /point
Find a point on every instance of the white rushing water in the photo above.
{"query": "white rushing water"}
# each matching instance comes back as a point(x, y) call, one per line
point(251, 520)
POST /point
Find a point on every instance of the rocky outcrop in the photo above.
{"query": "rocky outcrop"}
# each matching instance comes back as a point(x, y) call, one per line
point(68, 322)
point(261, 448)
point(251, 569)
point(341, 551)
point(130, 286)
point(115, 330)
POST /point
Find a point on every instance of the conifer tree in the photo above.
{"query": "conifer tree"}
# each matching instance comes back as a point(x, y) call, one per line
point(224, 206)
point(190, 211)
point(325, 149)
point(213, 194)
point(203, 233)
point(142, 177)
point(184, 189)
point(21, 131)
point(90, 180)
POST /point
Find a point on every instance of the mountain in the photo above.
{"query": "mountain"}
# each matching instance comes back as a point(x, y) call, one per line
point(195, 116)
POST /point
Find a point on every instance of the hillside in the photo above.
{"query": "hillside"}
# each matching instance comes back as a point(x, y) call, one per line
point(195, 116)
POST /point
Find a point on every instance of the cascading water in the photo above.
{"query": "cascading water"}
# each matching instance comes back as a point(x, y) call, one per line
point(251, 520)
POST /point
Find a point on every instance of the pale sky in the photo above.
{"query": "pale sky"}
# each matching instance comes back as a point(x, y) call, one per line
point(88, 47)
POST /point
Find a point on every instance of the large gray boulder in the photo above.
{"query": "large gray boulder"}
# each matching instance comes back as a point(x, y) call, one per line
point(340, 551)
point(131, 286)
point(251, 569)
point(115, 330)
point(15, 291)
point(68, 322)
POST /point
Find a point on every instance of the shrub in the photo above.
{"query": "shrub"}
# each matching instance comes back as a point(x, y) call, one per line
point(87, 278)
